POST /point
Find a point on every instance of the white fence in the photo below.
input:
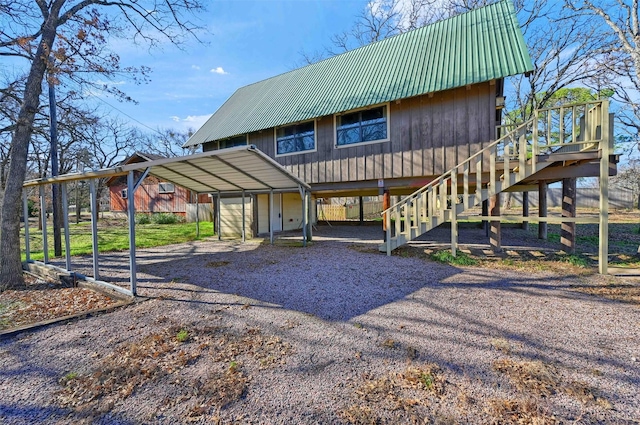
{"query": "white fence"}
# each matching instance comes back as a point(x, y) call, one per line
point(333, 212)
point(205, 212)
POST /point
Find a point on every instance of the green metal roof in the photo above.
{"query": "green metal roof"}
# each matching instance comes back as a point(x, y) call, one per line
point(474, 47)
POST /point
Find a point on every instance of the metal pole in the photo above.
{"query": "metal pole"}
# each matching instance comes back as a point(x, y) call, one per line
point(218, 216)
point(131, 209)
point(25, 214)
point(304, 216)
point(243, 218)
point(197, 217)
point(309, 220)
point(94, 226)
point(271, 216)
point(43, 218)
point(65, 223)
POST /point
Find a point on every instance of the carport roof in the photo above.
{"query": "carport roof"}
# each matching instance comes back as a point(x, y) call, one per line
point(226, 170)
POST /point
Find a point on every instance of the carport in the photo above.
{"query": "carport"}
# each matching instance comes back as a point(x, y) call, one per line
point(238, 171)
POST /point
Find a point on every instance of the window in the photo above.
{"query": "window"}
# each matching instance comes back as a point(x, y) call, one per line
point(362, 126)
point(233, 142)
point(123, 193)
point(166, 187)
point(296, 138)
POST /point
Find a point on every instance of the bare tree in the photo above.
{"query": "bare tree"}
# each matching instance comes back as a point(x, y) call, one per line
point(168, 142)
point(381, 19)
point(621, 19)
point(68, 38)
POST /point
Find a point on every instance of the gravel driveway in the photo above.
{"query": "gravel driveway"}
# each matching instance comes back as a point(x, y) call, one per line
point(351, 326)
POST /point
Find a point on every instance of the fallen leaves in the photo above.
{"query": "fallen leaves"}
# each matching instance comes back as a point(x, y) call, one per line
point(42, 300)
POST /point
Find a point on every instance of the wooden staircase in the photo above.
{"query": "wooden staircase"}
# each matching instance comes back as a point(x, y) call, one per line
point(518, 155)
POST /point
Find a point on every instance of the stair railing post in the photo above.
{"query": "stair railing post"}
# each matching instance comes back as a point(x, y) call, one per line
point(534, 142)
point(522, 156)
point(492, 171)
point(465, 186)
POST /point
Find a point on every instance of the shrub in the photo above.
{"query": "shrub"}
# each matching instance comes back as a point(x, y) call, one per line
point(461, 259)
point(165, 218)
point(142, 219)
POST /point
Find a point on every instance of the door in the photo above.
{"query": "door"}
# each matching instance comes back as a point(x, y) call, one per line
point(276, 217)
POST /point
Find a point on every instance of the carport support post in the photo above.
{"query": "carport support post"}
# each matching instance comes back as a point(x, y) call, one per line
point(65, 224)
point(309, 220)
point(25, 214)
point(303, 195)
point(361, 205)
point(271, 216)
point(94, 223)
point(244, 219)
point(197, 216)
point(131, 209)
point(43, 218)
point(218, 204)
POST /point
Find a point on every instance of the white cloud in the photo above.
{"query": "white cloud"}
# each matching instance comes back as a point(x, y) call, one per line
point(219, 70)
point(196, 67)
point(190, 121)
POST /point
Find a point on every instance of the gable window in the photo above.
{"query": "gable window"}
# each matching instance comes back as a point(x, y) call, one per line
point(123, 193)
point(296, 138)
point(367, 125)
point(166, 187)
point(233, 142)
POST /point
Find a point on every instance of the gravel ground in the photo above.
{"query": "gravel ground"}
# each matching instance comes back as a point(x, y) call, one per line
point(348, 325)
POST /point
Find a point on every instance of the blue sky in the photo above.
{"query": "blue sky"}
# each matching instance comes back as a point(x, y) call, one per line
point(248, 42)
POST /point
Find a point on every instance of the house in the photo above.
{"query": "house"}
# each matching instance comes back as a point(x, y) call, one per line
point(416, 114)
point(154, 195)
point(388, 116)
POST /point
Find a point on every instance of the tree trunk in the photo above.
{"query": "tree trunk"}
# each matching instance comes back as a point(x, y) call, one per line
point(10, 262)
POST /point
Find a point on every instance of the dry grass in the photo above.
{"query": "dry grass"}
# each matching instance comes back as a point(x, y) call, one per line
point(397, 397)
point(160, 358)
point(520, 412)
point(536, 378)
point(531, 376)
point(214, 264)
point(619, 292)
point(502, 345)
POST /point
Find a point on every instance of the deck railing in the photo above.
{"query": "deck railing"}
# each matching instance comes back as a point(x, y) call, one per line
point(518, 154)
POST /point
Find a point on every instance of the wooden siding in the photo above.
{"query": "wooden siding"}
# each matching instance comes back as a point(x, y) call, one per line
point(148, 200)
point(428, 136)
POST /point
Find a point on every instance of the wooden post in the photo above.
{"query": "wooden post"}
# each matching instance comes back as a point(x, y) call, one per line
point(525, 210)
point(606, 147)
point(495, 237)
point(485, 212)
point(386, 203)
point(542, 209)
point(568, 229)
point(361, 210)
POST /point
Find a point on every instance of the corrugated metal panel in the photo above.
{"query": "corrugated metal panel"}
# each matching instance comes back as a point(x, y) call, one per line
point(474, 47)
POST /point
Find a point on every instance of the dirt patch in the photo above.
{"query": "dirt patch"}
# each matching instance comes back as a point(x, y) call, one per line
point(161, 359)
point(43, 300)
